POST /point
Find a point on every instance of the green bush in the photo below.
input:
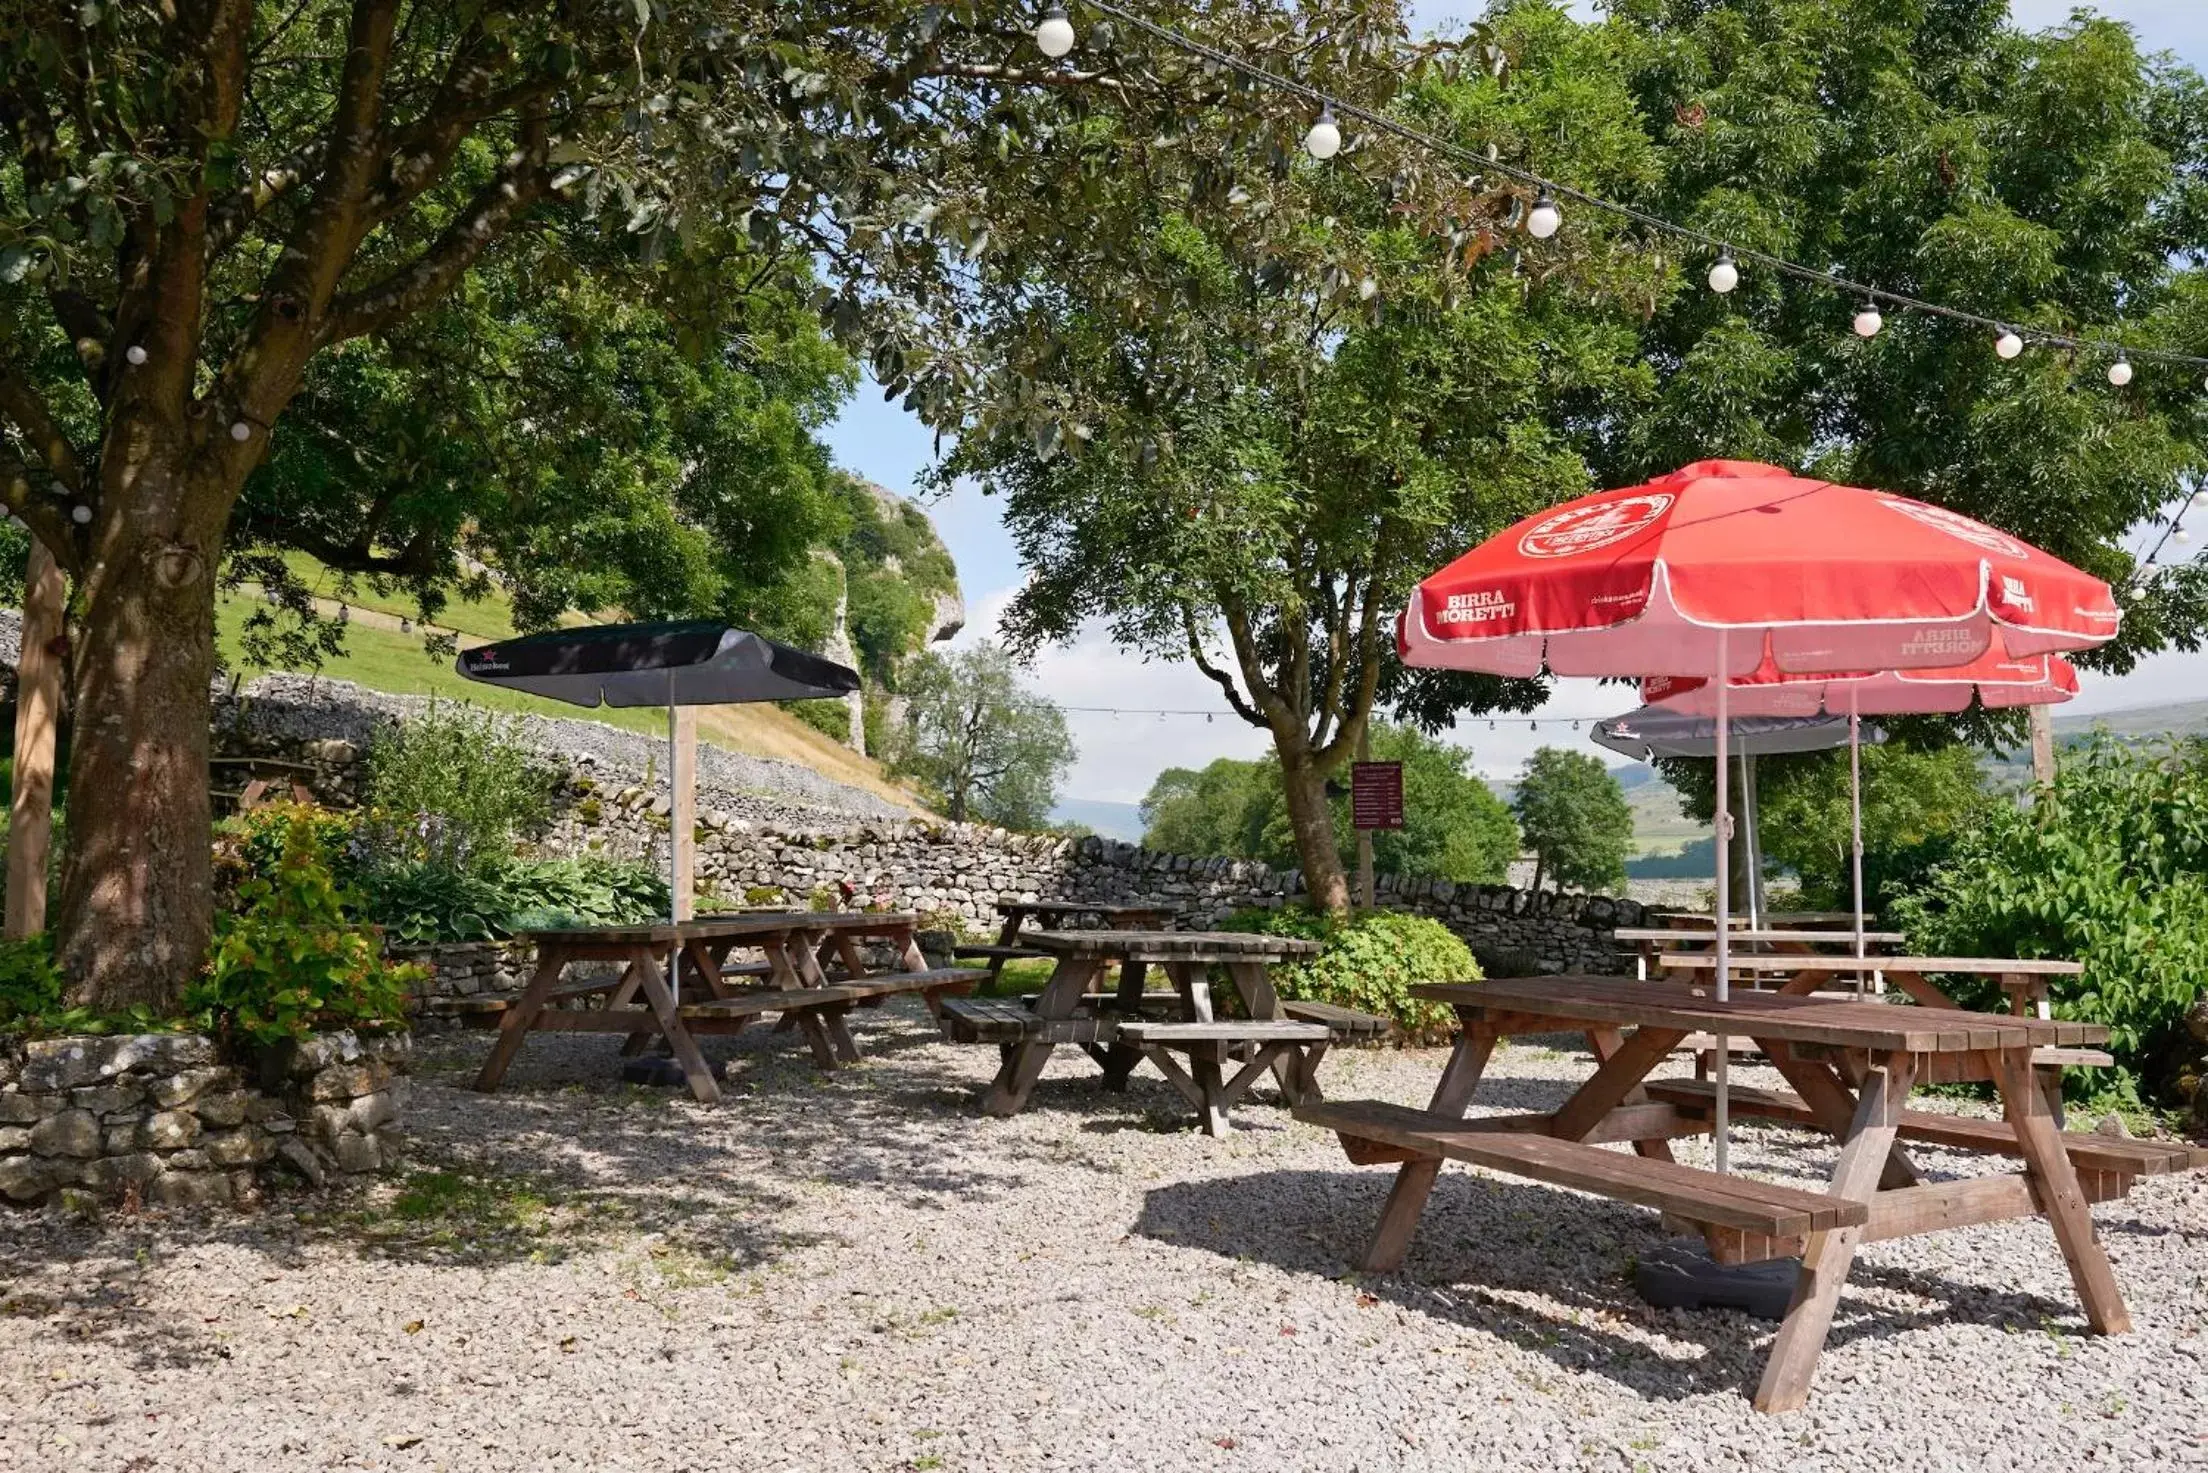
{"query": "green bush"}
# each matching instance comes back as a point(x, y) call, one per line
point(454, 787)
point(2109, 869)
point(1372, 960)
point(829, 716)
point(250, 845)
point(422, 904)
point(290, 961)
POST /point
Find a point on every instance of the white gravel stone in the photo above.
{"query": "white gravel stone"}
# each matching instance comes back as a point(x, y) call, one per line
point(859, 1271)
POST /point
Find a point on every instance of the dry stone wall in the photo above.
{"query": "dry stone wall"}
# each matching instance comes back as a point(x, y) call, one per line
point(161, 1117)
point(960, 871)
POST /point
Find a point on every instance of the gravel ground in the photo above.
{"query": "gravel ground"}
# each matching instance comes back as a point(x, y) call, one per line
point(859, 1272)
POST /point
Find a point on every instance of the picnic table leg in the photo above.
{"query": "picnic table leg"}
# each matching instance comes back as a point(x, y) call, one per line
point(1120, 1059)
point(1291, 1069)
point(694, 1067)
point(1604, 1042)
point(1204, 1061)
point(1414, 1180)
point(1821, 1089)
point(520, 1018)
point(2055, 1185)
point(1828, 1254)
point(1061, 995)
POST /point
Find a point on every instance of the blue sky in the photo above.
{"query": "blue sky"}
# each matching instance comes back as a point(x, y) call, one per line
point(1120, 755)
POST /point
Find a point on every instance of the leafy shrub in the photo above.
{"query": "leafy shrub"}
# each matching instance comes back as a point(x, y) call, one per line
point(588, 891)
point(1372, 960)
point(289, 961)
point(2110, 869)
point(31, 1001)
point(830, 717)
point(422, 904)
point(455, 787)
point(250, 845)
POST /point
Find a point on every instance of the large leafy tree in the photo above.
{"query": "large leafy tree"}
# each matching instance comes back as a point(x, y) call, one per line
point(982, 743)
point(1258, 463)
point(203, 201)
point(2056, 180)
point(1455, 828)
point(1575, 820)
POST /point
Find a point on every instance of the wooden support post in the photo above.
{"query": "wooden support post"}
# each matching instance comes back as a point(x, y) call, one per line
point(682, 816)
point(37, 712)
point(2055, 1185)
point(1364, 836)
point(2043, 746)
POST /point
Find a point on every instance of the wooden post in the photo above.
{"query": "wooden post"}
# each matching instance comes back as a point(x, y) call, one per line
point(1364, 836)
point(2043, 746)
point(682, 815)
point(37, 711)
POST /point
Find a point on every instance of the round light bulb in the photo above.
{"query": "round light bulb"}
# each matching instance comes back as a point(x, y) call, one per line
point(1325, 138)
point(1544, 219)
point(1724, 276)
point(80, 514)
point(135, 354)
point(2200, 498)
point(2008, 345)
point(1868, 321)
point(2181, 537)
point(240, 431)
point(2119, 372)
point(1054, 36)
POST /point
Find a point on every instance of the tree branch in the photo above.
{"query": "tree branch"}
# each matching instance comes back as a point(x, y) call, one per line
point(39, 513)
point(520, 184)
point(1219, 677)
point(23, 404)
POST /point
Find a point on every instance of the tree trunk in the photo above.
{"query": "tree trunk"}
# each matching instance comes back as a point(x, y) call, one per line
point(1312, 818)
point(137, 900)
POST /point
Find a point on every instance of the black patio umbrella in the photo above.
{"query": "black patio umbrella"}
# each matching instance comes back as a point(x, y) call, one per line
point(686, 662)
point(1652, 731)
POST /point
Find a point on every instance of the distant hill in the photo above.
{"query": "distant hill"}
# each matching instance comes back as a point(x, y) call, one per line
point(2135, 724)
point(1111, 820)
point(1659, 826)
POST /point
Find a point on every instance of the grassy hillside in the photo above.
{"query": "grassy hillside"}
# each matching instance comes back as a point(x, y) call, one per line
point(382, 656)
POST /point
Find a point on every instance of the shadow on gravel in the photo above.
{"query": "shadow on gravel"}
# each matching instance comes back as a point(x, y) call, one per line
point(1547, 1271)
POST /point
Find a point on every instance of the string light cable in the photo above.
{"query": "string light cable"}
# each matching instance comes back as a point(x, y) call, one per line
point(1543, 217)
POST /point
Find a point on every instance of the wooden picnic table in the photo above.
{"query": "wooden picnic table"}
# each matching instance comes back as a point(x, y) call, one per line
point(642, 1002)
point(1123, 1027)
point(1851, 1065)
point(1052, 915)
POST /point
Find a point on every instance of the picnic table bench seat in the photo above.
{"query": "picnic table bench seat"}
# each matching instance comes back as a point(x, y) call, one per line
point(1004, 1020)
point(1754, 1209)
point(993, 951)
point(2114, 1155)
point(1344, 1023)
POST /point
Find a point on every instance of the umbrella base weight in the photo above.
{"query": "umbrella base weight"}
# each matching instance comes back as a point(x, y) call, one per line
point(1682, 1275)
point(660, 1070)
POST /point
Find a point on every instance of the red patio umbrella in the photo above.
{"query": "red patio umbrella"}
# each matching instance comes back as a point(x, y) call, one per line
point(1723, 565)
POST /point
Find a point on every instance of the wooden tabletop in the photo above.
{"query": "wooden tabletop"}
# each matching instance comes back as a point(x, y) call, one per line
point(640, 933)
point(1809, 938)
point(1819, 919)
point(1171, 946)
point(1881, 1027)
point(1977, 966)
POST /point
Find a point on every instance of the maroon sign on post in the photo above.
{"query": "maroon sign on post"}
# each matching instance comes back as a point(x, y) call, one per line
point(1376, 795)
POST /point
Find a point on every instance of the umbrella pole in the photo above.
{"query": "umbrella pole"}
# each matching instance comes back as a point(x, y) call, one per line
point(1855, 823)
point(1724, 907)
